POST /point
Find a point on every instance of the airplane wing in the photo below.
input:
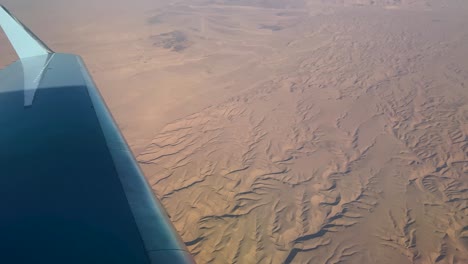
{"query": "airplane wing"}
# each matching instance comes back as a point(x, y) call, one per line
point(70, 188)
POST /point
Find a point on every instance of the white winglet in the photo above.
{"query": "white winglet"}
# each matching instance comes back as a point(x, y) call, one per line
point(25, 43)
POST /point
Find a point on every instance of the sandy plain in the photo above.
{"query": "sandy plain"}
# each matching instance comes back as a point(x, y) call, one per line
point(289, 131)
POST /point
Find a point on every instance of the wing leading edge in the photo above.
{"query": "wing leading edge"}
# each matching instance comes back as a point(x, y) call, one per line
point(71, 190)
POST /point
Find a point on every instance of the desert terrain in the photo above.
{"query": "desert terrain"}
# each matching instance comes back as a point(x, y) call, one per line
point(288, 131)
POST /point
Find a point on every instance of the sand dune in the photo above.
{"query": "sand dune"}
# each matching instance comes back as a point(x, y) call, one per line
point(353, 151)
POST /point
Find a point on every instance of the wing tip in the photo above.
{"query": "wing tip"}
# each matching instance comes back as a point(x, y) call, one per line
point(19, 34)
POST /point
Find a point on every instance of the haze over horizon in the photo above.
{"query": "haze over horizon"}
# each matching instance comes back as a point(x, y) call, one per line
point(295, 131)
